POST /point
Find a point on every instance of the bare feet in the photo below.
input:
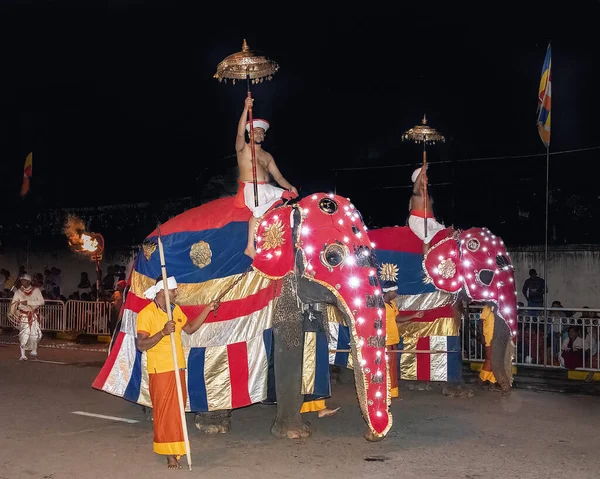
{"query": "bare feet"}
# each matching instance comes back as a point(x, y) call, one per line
point(173, 463)
point(327, 412)
point(250, 252)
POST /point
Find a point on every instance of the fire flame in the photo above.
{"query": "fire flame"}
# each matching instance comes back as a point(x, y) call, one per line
point(80, 240)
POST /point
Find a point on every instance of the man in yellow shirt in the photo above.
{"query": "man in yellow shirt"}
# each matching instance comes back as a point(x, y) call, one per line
point(486, 375)
point(392, 318)
point(153, 330)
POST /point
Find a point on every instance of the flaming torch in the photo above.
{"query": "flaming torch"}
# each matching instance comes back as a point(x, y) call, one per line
point(84, 242)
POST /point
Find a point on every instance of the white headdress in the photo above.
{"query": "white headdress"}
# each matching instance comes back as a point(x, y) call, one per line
point(26, 277)
point(258, 123)
point(152, 291)
point(415, 174)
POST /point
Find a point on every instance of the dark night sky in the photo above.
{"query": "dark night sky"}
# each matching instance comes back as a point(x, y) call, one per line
point(102, 94)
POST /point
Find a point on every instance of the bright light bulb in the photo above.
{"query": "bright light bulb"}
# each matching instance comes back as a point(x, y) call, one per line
point(469, 276)
point(436, 271)
point(472, 286)
point(460, 278)
point(359, 235)
point(310, 267)
point(489, 261)
point(506, 310)
point(372, 272)
point(377, 292)
point(259, 239)
point(453, 283)
point(350, 260)
point(441, 281)
point(378, 394)
point(346, 208)
point(363, 362)
point(501, 297)
point(331, 195)
point(441, 258)
point(379, 332)
point(379, 414)
point(346, 239)
point(372, 245)
point(341, 222)
point(258, 250)
point(276, 217)
point(467, 263)
point(278, 252)
point(354, 282)
point(360, 320)
point(485, 248)
point(379, 373)
point(357, 302)
point(305, 230)
point(486, 293)
point(314, 197)
point(378, 353)
point(269, 256)
point(309, 249)
point(361, 343)
point(264, 223)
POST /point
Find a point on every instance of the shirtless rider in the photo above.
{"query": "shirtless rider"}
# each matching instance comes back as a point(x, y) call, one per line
point(265, 168)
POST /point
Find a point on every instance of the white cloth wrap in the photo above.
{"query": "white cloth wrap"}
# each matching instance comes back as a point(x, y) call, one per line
point(152, 291)
point(268, 195)
point(415, 175)
point(417, 225)
point(391, 288)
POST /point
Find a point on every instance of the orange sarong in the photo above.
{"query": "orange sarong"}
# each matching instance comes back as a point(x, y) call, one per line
point(168, 433)
point(393, 367)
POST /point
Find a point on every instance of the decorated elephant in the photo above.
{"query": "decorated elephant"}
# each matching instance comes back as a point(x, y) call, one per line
point(315, 250)
point(471, 265)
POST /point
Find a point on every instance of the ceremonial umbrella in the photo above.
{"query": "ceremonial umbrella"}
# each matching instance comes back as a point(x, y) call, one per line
point(253, 67)
point(425, 134)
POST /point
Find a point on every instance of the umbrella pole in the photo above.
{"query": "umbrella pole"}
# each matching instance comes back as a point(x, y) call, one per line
point(186, 439)
point(252, 147)
point(424, 182)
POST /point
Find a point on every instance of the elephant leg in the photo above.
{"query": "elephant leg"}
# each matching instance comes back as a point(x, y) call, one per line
point(214, 422)
point(288, 341)
point(502, 355)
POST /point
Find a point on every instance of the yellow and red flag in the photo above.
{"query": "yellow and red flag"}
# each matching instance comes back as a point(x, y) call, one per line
point(545, 100)
point(27, 170)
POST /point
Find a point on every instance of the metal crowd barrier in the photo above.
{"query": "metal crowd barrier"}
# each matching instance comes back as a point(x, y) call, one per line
point(540, 341)
point(85, 317)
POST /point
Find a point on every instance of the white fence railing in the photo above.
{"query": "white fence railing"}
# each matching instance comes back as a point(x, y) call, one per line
point(541, 341)
point(85, 317)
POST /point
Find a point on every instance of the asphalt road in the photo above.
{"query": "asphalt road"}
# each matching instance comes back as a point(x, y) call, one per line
point(529, 435)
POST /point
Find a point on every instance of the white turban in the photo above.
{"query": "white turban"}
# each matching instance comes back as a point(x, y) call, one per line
point(415, 174)
point(258, 123)
point(26, 277)
point(152, 291)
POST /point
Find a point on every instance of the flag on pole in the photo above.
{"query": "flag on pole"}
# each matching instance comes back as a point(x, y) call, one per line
point(545, 100)
point(27, 170)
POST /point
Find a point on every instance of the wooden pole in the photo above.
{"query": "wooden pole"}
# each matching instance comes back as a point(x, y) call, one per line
point(174, 352)
point(424, 183)
point(252, 147)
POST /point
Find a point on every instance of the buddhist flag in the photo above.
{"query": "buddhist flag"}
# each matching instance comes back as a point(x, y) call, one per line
point(27, 170)
point(545, 100)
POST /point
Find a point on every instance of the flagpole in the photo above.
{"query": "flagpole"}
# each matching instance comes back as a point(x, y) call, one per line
point(546, 229)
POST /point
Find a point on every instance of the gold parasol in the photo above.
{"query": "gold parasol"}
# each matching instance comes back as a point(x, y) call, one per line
point(253, 67)
point(244, 65)
point(425, 134)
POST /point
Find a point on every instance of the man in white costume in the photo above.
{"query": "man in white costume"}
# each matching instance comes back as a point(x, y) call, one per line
point(24, 310)
point(417, 210)
point(266, 167)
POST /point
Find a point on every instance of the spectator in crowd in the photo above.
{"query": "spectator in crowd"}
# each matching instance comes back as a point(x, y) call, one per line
point(116, 304)
point(3, 278)
point(122, 276)
point(534, 289)
point(572, 349)
point(84, 285)
point(10, 280)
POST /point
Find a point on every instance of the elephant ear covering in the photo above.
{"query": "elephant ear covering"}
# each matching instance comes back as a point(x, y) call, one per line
point(227, 358)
